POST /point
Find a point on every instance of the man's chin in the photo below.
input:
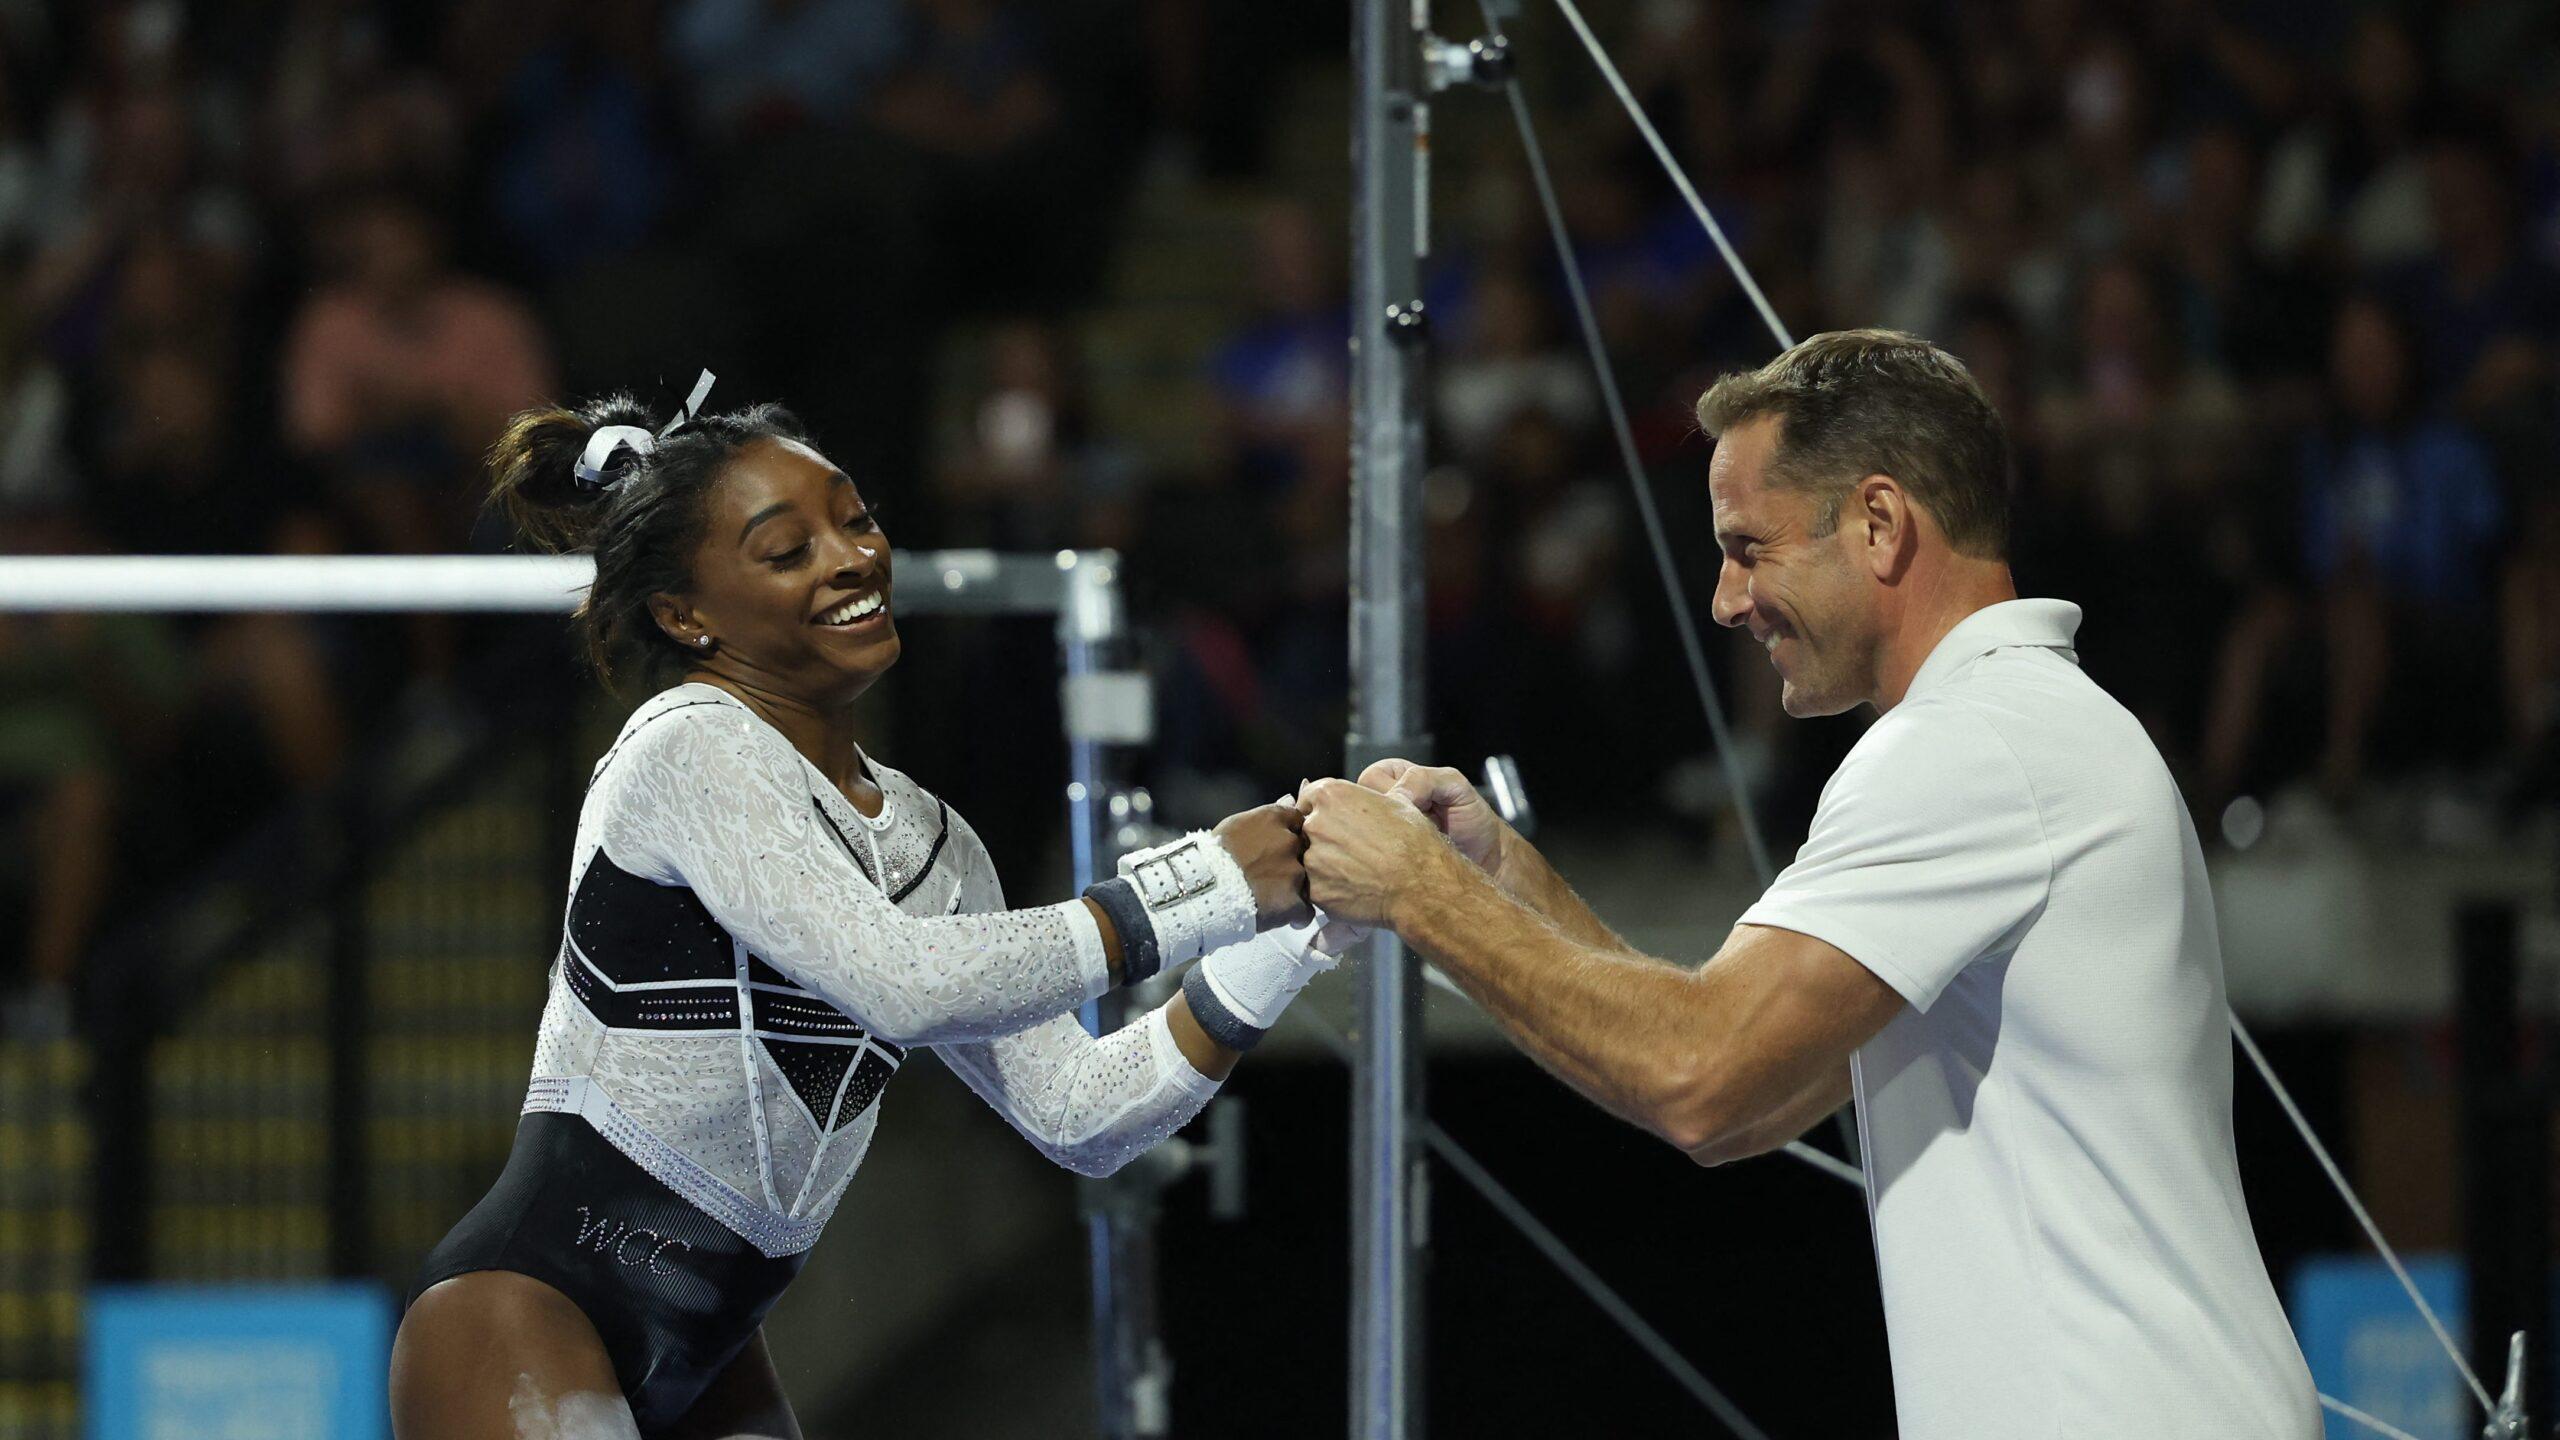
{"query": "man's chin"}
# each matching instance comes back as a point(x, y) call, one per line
point(1804, 704)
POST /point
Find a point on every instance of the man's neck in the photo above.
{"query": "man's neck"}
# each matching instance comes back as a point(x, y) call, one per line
point(1929, 615)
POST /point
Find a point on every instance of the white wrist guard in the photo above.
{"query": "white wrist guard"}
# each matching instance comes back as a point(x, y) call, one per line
point(1177, 902)
point(1238, 993)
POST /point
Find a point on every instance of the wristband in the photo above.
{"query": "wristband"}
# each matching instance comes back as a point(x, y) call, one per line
point(1140, 958)
point(1237, 994)
point(1174, 903)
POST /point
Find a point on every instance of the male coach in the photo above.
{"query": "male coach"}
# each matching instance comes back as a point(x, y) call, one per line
point(1998, 937)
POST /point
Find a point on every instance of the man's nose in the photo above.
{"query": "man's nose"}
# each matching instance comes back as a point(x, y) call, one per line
point(1733, 595)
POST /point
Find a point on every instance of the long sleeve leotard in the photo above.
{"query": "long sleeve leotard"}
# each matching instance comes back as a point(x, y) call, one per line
point(748, 959)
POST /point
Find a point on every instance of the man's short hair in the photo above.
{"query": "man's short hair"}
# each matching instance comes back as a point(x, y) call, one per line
point(1854, 403)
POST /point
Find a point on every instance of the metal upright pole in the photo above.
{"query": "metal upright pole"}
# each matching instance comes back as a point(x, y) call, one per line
point(2506, 1154)
point(1391, 129)
point(1107, 716)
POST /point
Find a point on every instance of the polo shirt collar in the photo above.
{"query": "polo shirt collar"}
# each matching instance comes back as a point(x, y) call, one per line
point(2050, 624)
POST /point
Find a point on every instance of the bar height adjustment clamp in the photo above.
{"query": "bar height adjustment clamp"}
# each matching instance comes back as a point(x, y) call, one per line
point(1483, 64)
point(2507, 1422)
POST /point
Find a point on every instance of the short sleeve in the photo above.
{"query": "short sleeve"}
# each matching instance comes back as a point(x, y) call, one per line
point(1926, 854)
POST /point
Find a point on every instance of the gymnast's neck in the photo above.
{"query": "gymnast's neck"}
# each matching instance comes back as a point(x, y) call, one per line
point(824, 732)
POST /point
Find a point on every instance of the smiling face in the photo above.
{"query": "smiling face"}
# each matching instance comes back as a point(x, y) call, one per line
point(790, 580)
point(1803, 596)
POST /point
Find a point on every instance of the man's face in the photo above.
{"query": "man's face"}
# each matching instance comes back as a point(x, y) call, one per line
point(1805, 598)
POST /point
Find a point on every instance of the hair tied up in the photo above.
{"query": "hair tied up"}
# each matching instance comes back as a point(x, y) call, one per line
point(610, 453)
point(613, 449)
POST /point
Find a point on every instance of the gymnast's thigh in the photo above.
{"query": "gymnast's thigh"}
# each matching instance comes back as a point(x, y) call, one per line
point(494, 1355)
point(745, 1402)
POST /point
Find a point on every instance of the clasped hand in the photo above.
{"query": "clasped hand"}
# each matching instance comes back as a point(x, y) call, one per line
point(1403, 832)
point(1360, 851)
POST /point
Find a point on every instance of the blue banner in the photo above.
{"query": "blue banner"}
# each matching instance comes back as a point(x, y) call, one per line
point(2369, 1347)
point(246, 1363)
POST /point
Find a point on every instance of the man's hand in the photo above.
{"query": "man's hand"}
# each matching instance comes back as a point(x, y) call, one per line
point(1266, 842)
point(1367, 853)
point(1443, 795)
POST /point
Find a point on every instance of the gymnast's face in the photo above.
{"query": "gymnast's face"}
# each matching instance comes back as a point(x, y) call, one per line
point(1804, 597)
point(791, 580)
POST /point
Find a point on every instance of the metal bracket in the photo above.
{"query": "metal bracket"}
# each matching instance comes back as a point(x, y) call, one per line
point(2507, 1422)
point(1509, 797)
point(1407, 324)
point(1478, 64)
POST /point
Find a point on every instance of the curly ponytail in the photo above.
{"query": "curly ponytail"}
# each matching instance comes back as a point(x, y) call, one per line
point(642, 526)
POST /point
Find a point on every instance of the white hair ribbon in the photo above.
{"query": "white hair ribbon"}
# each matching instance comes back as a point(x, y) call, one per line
point(594, 469)
point(600, 452)
point(692, 404)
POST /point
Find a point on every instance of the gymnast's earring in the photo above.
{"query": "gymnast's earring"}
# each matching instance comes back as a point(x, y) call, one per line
point(702, 640)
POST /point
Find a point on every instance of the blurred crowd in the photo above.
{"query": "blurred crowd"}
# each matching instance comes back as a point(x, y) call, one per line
point(2266, 292)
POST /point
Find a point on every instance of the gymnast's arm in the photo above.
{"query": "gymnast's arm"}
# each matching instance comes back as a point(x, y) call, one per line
point(701, 798)
point(1091, 1103)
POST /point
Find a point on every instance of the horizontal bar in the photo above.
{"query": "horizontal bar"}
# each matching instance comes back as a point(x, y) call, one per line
point(931, 582)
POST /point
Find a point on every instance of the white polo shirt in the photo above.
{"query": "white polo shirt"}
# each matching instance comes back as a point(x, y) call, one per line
point(2058, 1220)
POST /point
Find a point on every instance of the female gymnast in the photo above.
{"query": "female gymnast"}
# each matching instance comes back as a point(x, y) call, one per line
point(763, 922)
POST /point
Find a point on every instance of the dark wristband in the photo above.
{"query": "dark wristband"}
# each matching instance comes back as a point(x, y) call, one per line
point(1217, 1021)
point(1140, 958)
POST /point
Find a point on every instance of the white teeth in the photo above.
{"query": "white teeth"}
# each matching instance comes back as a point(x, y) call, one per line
point(851, 610)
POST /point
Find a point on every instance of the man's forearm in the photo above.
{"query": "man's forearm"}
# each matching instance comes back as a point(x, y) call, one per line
point(1615, 1025)
point(1525, 876)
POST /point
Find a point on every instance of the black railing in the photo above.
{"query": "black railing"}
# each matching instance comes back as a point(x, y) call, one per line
point(311, 866)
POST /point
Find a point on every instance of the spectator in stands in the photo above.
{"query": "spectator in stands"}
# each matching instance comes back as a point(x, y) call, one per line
point(2142, 449)
point(2005, 257)
point(585, 170)
point(1032, 471)
point(174, 478)
point(1017, 204)
point(73, 688)
point(143, 195)
point(2486, 313)
point(2351, 180)
point(754, 67)
point(35, 416)
point(398, 371)
point(2400, 513)
point(1284, 378)
point(1506, 361)
point(2255, 320)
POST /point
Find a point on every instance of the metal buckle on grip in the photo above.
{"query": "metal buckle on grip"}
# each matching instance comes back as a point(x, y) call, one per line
point(1162, 881)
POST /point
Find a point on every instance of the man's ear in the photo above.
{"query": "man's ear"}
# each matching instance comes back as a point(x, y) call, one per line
point(1882, 509)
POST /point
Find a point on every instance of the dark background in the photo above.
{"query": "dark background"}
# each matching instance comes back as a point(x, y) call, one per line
point(2265, 292)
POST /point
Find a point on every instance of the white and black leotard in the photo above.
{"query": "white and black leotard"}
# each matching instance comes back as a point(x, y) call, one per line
point(747, 961)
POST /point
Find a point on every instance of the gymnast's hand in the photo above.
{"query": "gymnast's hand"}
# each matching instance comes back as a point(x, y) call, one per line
point(1369, 854)
point(1450, 802)
point(1266, 841)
